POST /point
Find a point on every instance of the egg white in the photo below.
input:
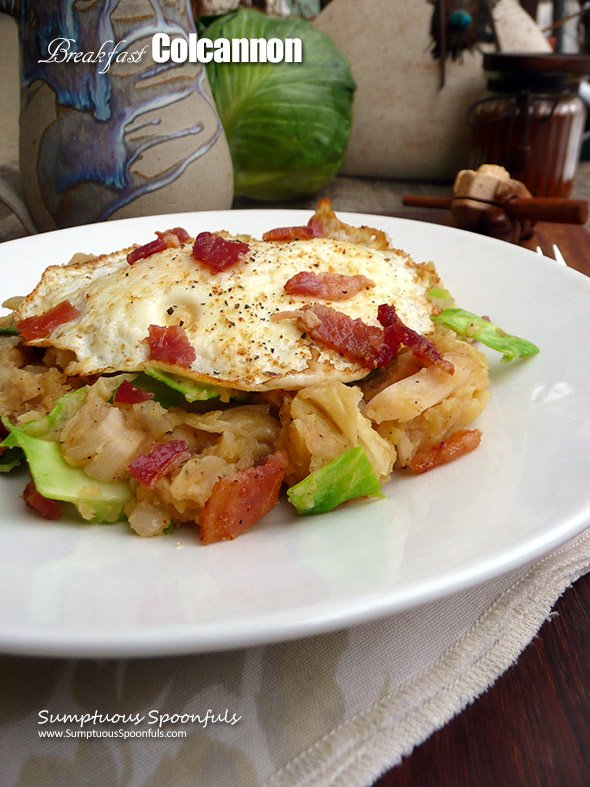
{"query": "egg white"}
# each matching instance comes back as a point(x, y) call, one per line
point(226, 315)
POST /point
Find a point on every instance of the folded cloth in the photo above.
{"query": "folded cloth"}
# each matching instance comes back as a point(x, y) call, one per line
point(339, 708)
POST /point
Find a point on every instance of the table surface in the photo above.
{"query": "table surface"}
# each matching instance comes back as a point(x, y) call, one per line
point(533, 726)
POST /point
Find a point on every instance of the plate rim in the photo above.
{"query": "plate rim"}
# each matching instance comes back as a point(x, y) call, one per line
point(178, 640)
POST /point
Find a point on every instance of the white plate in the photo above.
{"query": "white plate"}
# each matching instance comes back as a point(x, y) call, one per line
point(78, 590)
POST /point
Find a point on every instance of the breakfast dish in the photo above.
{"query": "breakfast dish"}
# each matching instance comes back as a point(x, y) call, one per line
point(187, 380)
point(72, 588)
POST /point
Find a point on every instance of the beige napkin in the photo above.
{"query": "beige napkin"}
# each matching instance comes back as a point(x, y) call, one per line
point(335, 709)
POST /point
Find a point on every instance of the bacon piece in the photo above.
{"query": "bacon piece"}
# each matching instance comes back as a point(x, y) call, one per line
point(48, 509)
point(330, 226)
point(353, 339)
point(419, 345)
point(216, 252)
point(181, 235)
point(330, 286)
point(41, 327)
point(166, 240)
point(170, 345)
point(240, 500)
point(162, 459)
point(127, 393)
point(459, 443)
point(316, 228)
point(313, 229)
point(153, 247)
point(288, 233)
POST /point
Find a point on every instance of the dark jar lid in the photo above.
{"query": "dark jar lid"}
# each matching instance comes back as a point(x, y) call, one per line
point(508, 71)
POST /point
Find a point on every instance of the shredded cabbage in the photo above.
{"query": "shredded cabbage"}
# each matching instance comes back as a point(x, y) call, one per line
point(471, 326)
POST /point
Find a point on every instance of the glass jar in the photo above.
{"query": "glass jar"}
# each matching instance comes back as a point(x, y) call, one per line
point(532, 120)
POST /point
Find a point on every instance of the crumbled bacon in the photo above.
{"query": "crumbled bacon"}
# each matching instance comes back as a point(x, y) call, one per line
point(127, 393)
point(353, 339)
point(288, 233)
point(43, 506)
point(153, 247)
point(329, 226)
point(179, 232)
point(371, 346)
point(162, 459)
point(240, 500)
point(166, 240)
point(329, 286)
point(40, 327)
point(316, 227)
point(170, 345)
point(459, 443)
point(418, 345)
point(216, 252)
point(313, 229)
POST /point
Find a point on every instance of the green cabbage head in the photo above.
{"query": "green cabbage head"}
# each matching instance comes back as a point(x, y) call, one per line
point(287, 124)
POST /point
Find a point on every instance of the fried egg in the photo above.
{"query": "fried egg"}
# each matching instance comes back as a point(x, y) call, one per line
point(227, 316)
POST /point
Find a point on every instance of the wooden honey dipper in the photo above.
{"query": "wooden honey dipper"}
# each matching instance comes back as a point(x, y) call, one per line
point(489, 201)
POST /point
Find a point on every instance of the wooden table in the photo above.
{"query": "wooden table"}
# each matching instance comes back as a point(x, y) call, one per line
point(531, 728)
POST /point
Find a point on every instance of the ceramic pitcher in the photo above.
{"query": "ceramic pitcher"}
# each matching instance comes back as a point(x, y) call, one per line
point(105, 132)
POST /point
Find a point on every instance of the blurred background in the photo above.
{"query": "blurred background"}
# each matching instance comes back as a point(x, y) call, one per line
point(417, 66)
point(566, 23)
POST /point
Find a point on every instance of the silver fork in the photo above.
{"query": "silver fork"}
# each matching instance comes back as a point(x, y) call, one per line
point(557, 255)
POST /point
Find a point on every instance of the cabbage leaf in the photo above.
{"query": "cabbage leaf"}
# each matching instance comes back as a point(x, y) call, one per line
point(287, 124)
point(344, 478)
point(473, 327)
point(99, 501)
